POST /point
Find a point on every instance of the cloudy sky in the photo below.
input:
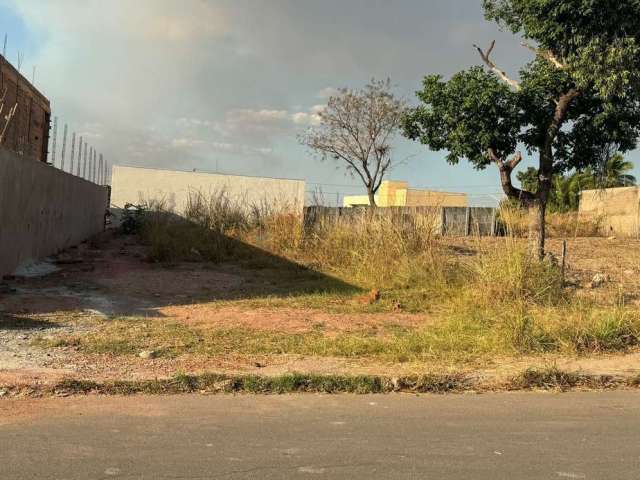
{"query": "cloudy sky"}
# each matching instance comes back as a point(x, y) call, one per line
point(228, 84)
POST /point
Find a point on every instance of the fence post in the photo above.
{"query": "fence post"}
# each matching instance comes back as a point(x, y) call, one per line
point(84, 162)
point(73, 151)
point(64, 147)
point(443, 221)
point(79, 156)
point(93, 167)
point(89, 160)
point(493, 222)
point(467, 226)
point(563, 261)
point(53, 142)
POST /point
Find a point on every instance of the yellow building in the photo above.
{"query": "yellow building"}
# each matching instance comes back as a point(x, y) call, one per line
point(398, 194)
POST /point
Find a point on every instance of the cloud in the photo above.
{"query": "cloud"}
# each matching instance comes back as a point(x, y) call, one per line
point(178, 83)
point(328, 92)
point(312, 117)
point(150, 20)
point(118, 71)
point(183, 142)
point(193, 123)
point(262, 125)
point(186, 143)
point(261, 122)
point(304, 118)
point(91, 131)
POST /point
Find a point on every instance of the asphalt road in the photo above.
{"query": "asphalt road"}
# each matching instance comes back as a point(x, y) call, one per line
point(495, 436)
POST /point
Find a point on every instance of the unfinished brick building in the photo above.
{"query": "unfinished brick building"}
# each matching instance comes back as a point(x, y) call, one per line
point(28, 131)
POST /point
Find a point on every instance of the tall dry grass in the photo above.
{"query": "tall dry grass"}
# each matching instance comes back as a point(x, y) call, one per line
point(376, 249)
point(495, 300)
point(515, 221)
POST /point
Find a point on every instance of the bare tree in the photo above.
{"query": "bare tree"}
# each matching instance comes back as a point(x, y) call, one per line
point(357, 127)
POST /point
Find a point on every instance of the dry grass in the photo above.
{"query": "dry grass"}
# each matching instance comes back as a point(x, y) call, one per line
point(515, 220)
point(494, 302)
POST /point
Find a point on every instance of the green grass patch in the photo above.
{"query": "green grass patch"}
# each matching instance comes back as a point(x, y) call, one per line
point(468, 333)
point(280, 384)
point(548, 378)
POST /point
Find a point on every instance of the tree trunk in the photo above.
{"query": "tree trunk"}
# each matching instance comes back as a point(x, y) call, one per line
point(372, 198)
point(538, 209)
point(537, 231)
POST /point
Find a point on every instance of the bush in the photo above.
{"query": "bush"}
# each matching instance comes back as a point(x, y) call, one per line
point(508, 273)
point(132, 218)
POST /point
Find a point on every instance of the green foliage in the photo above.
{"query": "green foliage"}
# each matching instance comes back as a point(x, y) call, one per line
point(466, 115)
point(615, 173)
point(565, 192)
point(587, 55)
point(596, 39)
point(132, 218)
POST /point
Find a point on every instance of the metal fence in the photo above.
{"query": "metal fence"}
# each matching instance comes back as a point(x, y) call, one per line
point(452, 221)
point(79, 159)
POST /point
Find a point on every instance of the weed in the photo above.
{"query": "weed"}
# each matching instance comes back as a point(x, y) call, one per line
point(547, 378)
point(280, 384)
point(552, 378)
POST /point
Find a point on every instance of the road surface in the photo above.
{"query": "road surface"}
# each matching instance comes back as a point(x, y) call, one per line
point(472, 437)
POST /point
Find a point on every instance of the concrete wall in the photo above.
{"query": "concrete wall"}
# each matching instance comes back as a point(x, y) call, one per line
point(618, 209)
point(453, 221)
point(43, 210)
point(135, 185)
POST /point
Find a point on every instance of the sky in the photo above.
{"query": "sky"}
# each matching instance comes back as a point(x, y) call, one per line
point(228, 85)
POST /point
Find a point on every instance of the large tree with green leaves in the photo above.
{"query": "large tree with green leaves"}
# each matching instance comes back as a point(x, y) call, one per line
point(579, 95)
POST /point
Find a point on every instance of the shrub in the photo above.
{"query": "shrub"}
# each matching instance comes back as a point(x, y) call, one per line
point(132, 218)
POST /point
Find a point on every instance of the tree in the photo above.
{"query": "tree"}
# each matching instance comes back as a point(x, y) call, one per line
point(616, 173)
point(564, 195)
point(357, 128)
point(579, 95)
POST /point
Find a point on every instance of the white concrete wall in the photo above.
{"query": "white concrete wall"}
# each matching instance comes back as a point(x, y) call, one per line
point(43, 210)
point(136, 185)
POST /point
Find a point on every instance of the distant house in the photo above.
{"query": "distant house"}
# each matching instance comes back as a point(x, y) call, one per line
point(398, 194)
point(617, 209)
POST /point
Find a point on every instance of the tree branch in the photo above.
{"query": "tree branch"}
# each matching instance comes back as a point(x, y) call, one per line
point(559, 115)
point(547, 55)
point(515, 160)
point(506, 168)
point(492, 66)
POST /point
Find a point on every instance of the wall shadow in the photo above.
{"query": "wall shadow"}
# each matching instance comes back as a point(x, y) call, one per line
point(9, 322)
point(113, 275)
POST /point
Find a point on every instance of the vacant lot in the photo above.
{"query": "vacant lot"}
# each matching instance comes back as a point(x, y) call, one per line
point(113, 311)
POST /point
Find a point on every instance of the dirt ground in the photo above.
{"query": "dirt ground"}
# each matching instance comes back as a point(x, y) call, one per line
point(110, 278)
